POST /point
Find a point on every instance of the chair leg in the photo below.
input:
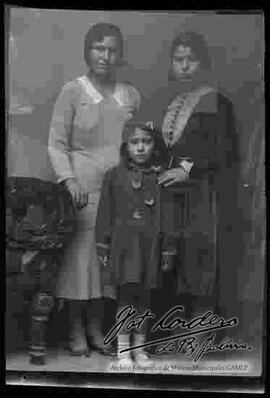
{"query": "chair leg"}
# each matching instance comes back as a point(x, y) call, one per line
point(42, 307)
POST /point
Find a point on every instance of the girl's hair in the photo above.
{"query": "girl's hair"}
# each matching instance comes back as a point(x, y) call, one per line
point(197, 44)
point(97, 33)
point(159, 151)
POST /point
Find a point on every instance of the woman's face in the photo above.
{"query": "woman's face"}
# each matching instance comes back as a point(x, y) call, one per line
point(104, 56)
point(140, 146)
point(184, 63)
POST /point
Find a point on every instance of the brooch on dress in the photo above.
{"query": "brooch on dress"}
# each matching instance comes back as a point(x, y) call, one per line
point(137, 214)
point(149, 202)
point(136, 183)
point(156, 169)
point(137, 180)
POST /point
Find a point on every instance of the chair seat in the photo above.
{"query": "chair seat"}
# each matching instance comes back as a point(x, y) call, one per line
point(39, 214)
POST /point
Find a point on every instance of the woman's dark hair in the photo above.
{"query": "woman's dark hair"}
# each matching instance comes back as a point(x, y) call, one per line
point(97, 33)
point(197, 44)
point(159, 151)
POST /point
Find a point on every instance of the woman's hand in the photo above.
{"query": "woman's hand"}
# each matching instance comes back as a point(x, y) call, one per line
point(79, 195)
point(173, 176)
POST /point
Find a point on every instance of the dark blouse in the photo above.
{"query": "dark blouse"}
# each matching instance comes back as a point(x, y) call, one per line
point(210, 140)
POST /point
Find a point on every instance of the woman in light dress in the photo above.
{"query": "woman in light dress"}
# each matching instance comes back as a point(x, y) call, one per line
point(84, 142)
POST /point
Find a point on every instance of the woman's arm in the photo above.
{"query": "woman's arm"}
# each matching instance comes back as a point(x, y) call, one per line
point(59, 144)
point(60, 132)
point(131, 99)
point(218, 150)
point(205, 148)
point(192, 155)
point(135, 98)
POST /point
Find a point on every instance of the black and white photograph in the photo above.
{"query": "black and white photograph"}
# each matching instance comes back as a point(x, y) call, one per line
point(135, 193)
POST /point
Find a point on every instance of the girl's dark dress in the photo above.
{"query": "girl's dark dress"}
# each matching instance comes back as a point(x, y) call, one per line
point(133, 227)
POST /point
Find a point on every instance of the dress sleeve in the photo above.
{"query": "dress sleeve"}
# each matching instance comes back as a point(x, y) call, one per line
point(229, 159)
point(132, 99)
point(205, 146)
point(104, 217)
point(216, 147)
point(137, 99)
point(228, 148)
point(60, 132)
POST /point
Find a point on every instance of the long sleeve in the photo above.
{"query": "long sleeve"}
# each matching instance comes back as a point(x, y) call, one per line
point(60, 132)
point(131, 99)
point(136, 98)
point(228, 154)
point(218, 147)
point(206, 147)
point(217, 141)
point(229, 145)
point(104, 217)
point(170, 243)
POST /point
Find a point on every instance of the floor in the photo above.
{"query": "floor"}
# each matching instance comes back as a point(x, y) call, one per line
point(216, 363)
point(58, 359)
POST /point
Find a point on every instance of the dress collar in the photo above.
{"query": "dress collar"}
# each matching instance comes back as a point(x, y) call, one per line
point(145, 169)
point(95, 94)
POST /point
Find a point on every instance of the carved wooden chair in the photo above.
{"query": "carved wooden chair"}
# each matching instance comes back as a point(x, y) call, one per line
point(39, 220)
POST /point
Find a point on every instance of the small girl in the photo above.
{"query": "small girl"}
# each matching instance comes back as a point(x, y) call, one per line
point(132, 244)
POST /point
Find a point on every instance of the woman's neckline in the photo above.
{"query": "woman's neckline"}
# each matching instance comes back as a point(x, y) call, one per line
point(129, 164)
point(98, 88)
point(192, 86)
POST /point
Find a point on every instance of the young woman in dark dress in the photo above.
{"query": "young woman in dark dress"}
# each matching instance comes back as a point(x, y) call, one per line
point(198, 129)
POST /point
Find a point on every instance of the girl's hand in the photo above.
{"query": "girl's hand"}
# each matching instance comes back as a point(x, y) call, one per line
point(103, 254)
point(173, 176)
point(79, 195)
point(167, 262)
point(103, 261)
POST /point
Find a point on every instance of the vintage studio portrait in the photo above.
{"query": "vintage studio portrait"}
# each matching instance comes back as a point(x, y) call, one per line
point(135, 192)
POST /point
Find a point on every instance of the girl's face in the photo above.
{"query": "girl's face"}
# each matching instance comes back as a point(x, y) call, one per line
point(140, 146)
point(184, 63)
point(104, 55)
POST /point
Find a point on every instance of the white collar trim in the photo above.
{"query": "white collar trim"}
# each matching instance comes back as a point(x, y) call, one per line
point(95, 95)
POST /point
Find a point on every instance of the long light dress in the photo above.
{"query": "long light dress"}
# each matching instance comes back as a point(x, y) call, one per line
point(84, 142)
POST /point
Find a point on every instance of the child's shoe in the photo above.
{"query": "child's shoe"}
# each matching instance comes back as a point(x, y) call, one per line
point(123, 359)
point(142, 358)
point(140, 355)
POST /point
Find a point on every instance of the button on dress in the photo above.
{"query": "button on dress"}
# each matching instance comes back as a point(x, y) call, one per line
point(84, 142)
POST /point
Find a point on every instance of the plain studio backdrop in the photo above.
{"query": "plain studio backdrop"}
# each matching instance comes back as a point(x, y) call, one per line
point(45, 50)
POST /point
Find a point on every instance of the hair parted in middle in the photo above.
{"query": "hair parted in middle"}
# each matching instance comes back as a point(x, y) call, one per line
point(197, 44)
point(159, 151)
